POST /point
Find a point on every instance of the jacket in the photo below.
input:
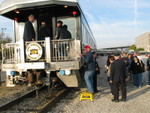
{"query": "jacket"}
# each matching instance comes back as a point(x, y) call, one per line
point(44, 31)
point(148, 62)
point(118, 71)
point(29, 32)
point(137, 67)
point(62, 33)
point(89, 62)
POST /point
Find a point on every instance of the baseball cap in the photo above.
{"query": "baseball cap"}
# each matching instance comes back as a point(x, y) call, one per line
point(87, 46)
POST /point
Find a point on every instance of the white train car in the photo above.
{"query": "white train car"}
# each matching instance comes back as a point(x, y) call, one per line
point(22, 56)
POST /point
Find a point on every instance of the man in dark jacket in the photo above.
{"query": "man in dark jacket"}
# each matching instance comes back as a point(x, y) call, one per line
point(66, 34)
point(62, 31)
point(29, 33)
point(97, 71)
point(90, 67)
point(118, 78)
point(148, 69)
point(44, 31)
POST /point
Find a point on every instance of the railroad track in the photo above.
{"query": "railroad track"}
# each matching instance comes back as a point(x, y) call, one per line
point(34, 101)
point(16, 100)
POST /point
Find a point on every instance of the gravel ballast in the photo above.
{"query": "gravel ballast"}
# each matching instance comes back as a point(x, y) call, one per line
point(138, 99)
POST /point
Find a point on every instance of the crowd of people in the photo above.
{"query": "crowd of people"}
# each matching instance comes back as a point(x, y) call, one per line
point(33, 76)
point(120, 68)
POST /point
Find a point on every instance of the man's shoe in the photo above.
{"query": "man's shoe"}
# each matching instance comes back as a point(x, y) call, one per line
point(140, 86)
point(148, 85)
point(123, 100)
point(114, 100)
point(96, 91)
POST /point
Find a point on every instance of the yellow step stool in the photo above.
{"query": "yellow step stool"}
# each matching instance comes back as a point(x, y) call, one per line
point(86, 95)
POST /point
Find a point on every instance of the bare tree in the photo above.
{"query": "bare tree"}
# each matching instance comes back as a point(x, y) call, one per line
point(4, 39)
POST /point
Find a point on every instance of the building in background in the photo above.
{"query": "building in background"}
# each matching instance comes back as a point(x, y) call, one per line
point(143, 41)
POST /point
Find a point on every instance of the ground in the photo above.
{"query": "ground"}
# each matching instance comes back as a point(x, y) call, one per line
point(138, 99)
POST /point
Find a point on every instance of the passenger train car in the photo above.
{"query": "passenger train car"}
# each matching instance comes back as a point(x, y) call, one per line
point(22, 56)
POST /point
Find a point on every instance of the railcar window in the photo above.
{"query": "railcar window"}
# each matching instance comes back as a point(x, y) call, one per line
point(71, 23)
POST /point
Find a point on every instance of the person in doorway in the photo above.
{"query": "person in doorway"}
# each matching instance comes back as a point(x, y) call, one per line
point(44, 31)
point(62, 31)
point(59, 30)
point(66, 33)
point(29, 33)
point(118, 78)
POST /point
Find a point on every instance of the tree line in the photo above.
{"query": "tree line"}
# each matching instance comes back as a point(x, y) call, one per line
point(4, 38)
point(133, 47)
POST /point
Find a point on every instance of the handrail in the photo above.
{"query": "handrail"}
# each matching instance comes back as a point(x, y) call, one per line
point(65, 49)
point(11, 53)
point(61, 50)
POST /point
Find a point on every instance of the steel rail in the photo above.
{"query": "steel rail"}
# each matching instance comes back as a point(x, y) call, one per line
point(19, 99)
point(48, 106)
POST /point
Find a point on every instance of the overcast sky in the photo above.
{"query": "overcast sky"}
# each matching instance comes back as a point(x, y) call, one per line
point(113, 22)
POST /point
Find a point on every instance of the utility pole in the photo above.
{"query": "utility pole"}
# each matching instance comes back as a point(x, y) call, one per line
point(3, 34)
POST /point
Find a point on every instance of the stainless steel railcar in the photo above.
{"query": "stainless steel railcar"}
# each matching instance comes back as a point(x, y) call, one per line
point(46, 54)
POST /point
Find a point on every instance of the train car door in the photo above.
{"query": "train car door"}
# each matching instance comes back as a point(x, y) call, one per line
point(47, 18)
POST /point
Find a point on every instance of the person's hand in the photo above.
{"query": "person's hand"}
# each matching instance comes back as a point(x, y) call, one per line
point(111, 81)
point(97, 69)
point(81, 55)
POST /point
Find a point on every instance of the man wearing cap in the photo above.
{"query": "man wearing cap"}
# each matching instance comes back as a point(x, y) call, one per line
point(118, 78)
point(29, 33)
point(90, 67)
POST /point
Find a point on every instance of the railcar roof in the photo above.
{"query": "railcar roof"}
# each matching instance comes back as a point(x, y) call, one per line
point(9, 5)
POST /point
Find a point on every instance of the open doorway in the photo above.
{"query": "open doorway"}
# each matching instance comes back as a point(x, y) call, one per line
point(48, 20)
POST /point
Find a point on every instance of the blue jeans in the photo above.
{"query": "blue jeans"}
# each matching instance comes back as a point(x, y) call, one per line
point(149, 78)
point(88, 76)
point(137, 79)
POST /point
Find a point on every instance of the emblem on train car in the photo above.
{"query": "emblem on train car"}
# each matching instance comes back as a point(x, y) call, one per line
point(34, 51)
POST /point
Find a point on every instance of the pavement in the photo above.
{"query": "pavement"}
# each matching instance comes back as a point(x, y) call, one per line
point(138, 99)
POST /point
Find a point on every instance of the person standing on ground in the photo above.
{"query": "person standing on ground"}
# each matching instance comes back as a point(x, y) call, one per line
point(97, 71)
point(130, 60)
point(125, 58)
point(118, 78)
point(29, 33)
point(148, 69)
point(89, 67)
point(137, 67)
point(111, 59)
